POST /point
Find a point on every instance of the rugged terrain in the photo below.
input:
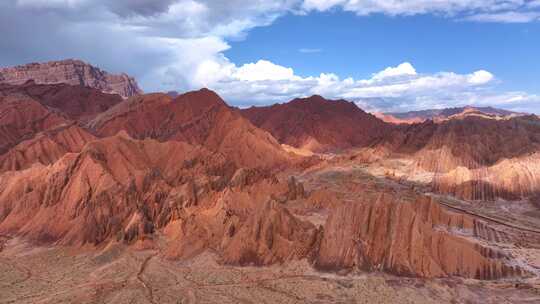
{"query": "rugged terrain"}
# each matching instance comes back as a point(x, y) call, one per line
point(163, 198)
point(72, 72)
point(317, 124)
point(475, 158)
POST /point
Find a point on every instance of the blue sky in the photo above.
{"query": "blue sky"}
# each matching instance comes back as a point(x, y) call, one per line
point(385, 55)
point(351, 45)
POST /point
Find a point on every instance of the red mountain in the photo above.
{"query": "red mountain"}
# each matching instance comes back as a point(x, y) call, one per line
point(318, 124)
point(75, 101)
point(200, 118)
point(22, 117)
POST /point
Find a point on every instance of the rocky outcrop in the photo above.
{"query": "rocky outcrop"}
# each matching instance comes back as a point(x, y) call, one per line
point(270, 235)
point(72, 72)
point(200, 118)
point(410, 238)
point(318, 124)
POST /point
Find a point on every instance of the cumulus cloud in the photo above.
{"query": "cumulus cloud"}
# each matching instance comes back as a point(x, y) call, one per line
point(480, 77)
point(263, 70)
point(397, 88)
point(404, 69)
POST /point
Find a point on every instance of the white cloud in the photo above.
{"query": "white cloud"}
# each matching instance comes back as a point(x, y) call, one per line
point(403, 69)
point(480, 77)
point(392, 89)
point(263, 70)
point(322, 5)
point(505, 17)
point(415, 7)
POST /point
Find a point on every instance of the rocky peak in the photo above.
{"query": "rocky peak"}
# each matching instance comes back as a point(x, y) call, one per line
point(201, 100)
point(318, 124)
point(72, 72)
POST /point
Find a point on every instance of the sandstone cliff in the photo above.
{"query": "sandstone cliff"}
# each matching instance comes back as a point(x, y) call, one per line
point(72, 72)
point(409, 238)
point(473, 157)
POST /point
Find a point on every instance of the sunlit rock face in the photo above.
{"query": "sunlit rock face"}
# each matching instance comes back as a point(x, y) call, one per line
point(416, 238)
point(471, 157)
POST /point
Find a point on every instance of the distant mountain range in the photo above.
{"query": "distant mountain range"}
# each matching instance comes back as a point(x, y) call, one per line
point(442, 114)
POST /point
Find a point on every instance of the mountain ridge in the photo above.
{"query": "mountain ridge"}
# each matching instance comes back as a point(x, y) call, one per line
point(73, 72)
point(318, 124)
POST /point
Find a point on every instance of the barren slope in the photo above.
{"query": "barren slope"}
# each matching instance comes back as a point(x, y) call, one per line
point(318, 124)
point(199, 117)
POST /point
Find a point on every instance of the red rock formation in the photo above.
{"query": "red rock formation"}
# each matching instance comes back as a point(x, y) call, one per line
point(72, 72)
point(511, 179)
point(22, 117)
point(318, 124)
point(244, 224)
point(45, 147)
point(199, 117)
point(270, 235)
point(200, 174)
point(118, 188)
point(75, 101)
point(410, 238)
point(94, 195)
point(472, 157)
